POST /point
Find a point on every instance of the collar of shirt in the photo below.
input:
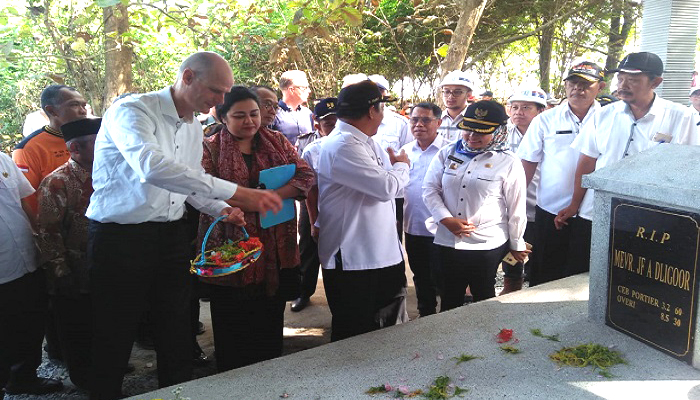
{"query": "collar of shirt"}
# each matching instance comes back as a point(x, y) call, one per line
point(566, 108)
point(438, 143)
point(167, 106)
point(445, 114)
point(657, 108)
point(361, 136)
point(285, 107)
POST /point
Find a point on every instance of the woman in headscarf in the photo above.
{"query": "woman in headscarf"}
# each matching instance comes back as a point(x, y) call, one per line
point(475, 191)
point(247, 307)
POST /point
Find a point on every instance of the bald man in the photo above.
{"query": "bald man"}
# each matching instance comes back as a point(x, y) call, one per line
point(148, 156)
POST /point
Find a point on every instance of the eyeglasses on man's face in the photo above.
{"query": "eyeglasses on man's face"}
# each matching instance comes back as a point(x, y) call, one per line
point(270, 106)
point(454, 93)
point(422, 120)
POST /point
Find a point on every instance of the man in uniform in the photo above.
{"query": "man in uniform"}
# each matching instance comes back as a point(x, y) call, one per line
point(324, 114)
point(359, 249)
point(546, 148)
point(641, 120)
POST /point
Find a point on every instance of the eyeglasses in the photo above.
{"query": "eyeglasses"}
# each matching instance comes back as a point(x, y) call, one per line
point(422, 120)
point(302, 87)
point(270, 106)
point(454, 93)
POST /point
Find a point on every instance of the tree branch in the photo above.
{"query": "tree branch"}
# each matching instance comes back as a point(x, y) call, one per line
point(533, 32)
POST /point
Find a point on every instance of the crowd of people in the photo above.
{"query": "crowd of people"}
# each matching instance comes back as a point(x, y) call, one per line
point(100, 217)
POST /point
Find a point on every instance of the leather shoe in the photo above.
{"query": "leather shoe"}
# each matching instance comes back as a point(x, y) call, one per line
point(38, 386)
point(200, 328)
point(200, 359)
point(300, 304)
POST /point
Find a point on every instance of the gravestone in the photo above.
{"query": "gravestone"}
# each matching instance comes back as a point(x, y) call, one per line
point(645, 248)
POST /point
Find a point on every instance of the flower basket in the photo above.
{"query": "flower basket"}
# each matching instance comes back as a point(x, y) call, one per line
point(228, 258)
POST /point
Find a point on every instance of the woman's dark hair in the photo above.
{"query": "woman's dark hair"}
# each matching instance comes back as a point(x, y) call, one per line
point(237, 93)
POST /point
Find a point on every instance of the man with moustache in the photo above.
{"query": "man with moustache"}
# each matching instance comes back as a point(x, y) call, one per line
point(422, 253)
point(547, 145)
point(456, 88)
point(359, 249)
point(641, 120)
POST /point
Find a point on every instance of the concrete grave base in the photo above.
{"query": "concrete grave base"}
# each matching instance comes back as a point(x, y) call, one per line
point(414, 354)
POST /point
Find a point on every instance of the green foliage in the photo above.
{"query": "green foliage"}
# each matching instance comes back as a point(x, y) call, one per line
point(465, 357)
point(510, 349)
point(595, 355)
point(538, 333)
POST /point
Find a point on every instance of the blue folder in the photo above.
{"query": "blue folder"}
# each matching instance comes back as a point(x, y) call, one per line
point(275, 178)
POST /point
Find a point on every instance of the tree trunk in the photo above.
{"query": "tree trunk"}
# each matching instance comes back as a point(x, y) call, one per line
point(119, 76)
point(462, 37)
point(546, 40)
point(619, 31)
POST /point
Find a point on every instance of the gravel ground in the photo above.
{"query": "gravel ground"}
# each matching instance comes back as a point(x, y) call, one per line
point(307, 329)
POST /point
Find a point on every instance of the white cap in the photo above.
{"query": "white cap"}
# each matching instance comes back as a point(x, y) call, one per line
point(531, 94)
point(693, 90)
point(457, 77)
point(353, 78)
point(380, 81)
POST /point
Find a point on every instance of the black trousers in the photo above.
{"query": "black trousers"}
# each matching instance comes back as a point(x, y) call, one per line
point(516, 271)
point(423, 261)
point(23, 309)
point(365, 300)
point(132, 266)
point(308, 253)
point(560, 253)
point(473, 268)
point(247, 328)
point(74, 325)
point(398, 202)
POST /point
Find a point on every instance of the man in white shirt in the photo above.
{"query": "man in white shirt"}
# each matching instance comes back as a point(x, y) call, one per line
point(393, 132)
point(456, 88)
point(695, 104)
point(641, 120)
point(547, 148)
point(359, 249)
point(147, 164)
point(324, 114)
point(524, 105)
point(23, 296)
point(422, 253)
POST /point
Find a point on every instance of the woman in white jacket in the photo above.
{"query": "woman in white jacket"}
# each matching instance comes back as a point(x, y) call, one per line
point(475, 191)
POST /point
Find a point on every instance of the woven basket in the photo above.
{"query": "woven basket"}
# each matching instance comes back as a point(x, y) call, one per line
point(206, 265)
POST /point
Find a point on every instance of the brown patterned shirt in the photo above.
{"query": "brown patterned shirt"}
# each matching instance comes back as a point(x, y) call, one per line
point(64, 196)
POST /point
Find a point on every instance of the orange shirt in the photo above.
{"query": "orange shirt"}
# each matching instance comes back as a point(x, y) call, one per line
point(38, 155)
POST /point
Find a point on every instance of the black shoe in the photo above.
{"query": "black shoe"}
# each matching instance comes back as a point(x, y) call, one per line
point(200, 359)
point(300, 304)
point(200, 328)
point(39, 386)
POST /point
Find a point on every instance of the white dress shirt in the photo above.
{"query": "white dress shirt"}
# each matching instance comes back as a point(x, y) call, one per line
point(696, 116)
point(17, 251)
point(148, 162)
point(356, 201)
point(393, 131)
point(311, 153)
point(613, 134)
point(515, 137)
point(415, 213)
point(548, 143)
point(488, 191)
point(448, 128)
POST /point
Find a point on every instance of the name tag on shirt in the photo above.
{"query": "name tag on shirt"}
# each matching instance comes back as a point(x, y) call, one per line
point(565, 132)
point(455, 159)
